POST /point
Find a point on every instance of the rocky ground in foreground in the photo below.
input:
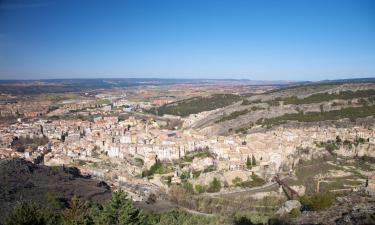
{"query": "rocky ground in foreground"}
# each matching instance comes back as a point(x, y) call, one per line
point(23, 180)
point(356, 208)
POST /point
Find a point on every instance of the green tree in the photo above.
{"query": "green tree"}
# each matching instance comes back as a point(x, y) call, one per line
point(215, 185)
point(253, 161)
point(77, 213)
point(26, 213)
point(156, 168)
point(52, 210)
point(248, 163)
point(119, 210)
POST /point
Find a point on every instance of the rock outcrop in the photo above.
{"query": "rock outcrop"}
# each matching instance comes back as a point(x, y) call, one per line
point(288, 207)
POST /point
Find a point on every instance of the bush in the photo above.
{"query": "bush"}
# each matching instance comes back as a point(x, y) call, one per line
point(245, 102)
point(215, 185)
point(185, 175)
point(209, 169)
point(158, 168)
point(255, 182)
point(331, 145)
point(188, 187)
point(196, 174)
point(237, 181)
point(294, 213)
point(200, 188)
point(318, 201)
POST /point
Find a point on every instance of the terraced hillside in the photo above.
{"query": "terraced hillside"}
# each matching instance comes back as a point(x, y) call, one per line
point(196, 105)
point(306, 103)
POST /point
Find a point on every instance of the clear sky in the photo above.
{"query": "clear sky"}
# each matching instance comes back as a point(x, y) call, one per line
point(252, 39)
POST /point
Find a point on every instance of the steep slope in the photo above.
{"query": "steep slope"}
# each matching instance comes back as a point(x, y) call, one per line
point(296, 103)
point(20, 179)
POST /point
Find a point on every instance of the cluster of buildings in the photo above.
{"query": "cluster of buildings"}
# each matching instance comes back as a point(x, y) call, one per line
point(123, 141)
point(9, 109)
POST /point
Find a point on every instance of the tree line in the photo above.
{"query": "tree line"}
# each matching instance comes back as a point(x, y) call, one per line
point(196, 105)
point(119, 210)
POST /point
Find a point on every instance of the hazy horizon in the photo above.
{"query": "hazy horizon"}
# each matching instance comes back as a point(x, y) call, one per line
point(280, 81)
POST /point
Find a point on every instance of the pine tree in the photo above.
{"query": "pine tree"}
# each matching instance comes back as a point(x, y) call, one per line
point(25, 213)
point(77, 213)
point(52, 210)
point(120, 211)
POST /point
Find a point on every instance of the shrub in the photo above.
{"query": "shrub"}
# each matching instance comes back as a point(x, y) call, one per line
point(215, 185)
point(255, 182)
point(200, 188)
point(294, 213)
point(245, 102)
point(185, 175)
point(237, 181)
point(158, 168)
point(188, 187)
point(209, 169)
point(318, 201)
point(196, 174)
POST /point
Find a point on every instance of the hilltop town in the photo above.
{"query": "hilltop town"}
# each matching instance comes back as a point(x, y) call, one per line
point(157, 142)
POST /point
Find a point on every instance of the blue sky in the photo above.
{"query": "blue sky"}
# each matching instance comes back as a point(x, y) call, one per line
point(252, 39)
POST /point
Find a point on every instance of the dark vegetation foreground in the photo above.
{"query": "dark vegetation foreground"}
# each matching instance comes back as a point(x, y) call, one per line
point(38, 195)
point(23, 180)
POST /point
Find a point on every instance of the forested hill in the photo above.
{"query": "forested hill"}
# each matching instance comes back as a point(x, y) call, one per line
point(323, 102)
point(196, 105)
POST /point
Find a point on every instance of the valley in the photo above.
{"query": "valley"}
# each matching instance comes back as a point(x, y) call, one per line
point(241, 153)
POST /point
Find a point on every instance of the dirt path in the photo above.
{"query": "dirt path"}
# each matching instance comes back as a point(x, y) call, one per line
point(254, 190)
point(195, 212)
point(165, 205)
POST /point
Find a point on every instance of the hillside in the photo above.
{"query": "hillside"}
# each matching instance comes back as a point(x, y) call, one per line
point(356, 208)
point(23, 180)
point(306, 103)
point(196, 105)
